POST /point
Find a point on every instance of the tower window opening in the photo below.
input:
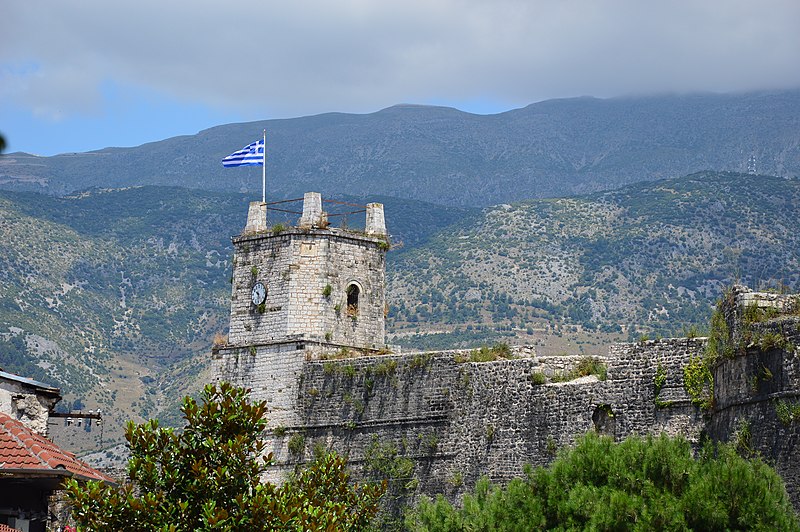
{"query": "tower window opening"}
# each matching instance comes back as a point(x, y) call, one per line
point(352, 299)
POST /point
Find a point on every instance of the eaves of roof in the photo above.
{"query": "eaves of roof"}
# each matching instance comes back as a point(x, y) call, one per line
point(25, 454)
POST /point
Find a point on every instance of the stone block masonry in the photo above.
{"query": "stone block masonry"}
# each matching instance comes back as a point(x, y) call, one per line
point(460, 420)
point(298, 269)
point(323, 285)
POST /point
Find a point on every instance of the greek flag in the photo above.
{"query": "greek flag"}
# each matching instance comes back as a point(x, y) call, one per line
point(250, 155)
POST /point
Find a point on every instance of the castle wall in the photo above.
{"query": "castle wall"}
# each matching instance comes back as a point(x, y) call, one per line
point(434, 422)
point(460, 420)
point(272, 372)
point(750, 388)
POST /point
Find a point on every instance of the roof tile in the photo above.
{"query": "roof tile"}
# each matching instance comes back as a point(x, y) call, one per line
point(23, 449)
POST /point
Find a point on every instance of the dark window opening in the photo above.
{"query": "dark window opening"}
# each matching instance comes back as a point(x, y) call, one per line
point(352, 300)
point(604, 420)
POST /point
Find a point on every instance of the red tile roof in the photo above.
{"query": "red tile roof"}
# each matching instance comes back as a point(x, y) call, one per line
point(6, 528)
point(24, 452)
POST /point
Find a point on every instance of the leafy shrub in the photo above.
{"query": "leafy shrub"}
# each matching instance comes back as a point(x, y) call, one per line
point(487, 354)
point(639, 484)
point(208, 476)
point(591, 366)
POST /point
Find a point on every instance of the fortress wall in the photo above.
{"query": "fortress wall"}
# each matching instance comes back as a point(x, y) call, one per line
point(461, 420)
point(503, 420)
point(748, 389)
point(634, 368)
point(272, 372)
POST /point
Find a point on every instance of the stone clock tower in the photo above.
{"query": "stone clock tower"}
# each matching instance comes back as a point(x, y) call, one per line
point(301, 293)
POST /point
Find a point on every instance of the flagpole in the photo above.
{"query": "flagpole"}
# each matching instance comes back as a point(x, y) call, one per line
point(264, 172)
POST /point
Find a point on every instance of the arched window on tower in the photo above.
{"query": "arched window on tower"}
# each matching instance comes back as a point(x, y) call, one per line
point(353, 291)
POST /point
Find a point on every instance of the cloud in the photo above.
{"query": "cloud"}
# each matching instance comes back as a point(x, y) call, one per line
point(272, 59)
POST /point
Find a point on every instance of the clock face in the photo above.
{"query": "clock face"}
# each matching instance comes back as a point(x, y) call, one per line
point(258, 294)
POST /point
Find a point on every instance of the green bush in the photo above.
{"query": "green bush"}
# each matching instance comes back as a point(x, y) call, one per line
point(208, 477)
point(487, 354)
point(651, 483)
point(591, 366)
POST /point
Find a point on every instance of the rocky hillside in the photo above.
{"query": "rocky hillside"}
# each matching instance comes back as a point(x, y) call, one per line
point(646, 259)
point(548, 149)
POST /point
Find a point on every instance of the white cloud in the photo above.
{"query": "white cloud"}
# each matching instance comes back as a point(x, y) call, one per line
point(291, 58)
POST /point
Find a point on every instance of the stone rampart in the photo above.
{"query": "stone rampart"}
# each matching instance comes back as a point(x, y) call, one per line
point(459, 420)
point(757, 399)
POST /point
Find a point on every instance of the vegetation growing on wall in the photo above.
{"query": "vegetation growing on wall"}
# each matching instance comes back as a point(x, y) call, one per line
point(486, 354)
point(787, 412)
point(698, 382)
point(586, 366)
point(659, 380)
point(384, 461)
point(720, 341)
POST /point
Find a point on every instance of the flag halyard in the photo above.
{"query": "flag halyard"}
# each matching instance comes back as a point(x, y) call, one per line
point(250, 155)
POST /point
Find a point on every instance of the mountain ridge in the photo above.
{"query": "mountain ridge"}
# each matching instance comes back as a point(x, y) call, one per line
point(442, 155)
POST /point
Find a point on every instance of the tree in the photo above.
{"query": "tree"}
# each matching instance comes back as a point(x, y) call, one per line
point(640, 484)
point(208, 476)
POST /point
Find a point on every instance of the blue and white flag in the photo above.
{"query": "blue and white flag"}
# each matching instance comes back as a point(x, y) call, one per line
point(250, 155)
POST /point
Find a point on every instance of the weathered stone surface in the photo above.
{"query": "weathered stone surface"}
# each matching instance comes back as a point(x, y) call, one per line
point(256, 218)
point(299, 267)
point(27, 401)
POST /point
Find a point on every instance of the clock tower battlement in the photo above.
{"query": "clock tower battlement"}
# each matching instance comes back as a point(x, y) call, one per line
point(311, 287)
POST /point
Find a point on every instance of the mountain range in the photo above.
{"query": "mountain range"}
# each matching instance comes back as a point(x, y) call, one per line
point(566, 224)
point(115, 295)
point(553, 148)
point(648, 259)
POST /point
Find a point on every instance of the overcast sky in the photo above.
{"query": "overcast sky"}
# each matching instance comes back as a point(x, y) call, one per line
point(85, 74)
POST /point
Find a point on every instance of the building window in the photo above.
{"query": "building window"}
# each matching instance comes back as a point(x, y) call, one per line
point(353, 291)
